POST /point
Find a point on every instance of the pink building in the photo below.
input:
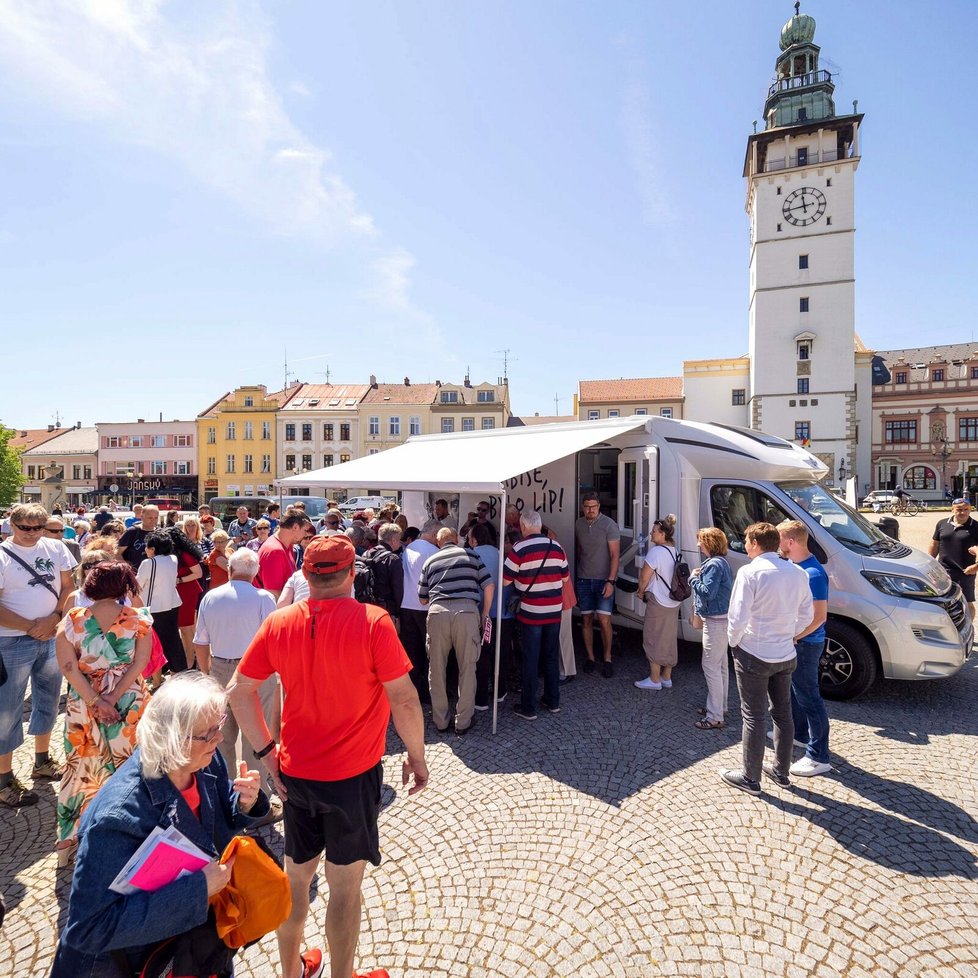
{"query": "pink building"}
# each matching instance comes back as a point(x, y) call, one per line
point(139, 460)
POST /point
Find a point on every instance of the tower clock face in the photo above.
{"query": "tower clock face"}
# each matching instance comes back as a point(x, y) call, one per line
point(804, 206)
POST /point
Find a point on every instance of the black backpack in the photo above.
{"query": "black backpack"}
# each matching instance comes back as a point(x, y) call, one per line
point(679, 587)
point(364, 582)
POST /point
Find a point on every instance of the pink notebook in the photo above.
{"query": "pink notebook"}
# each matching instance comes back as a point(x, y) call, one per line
point(163, 865)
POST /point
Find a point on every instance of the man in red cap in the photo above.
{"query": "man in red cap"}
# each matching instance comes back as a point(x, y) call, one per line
point(344, 674)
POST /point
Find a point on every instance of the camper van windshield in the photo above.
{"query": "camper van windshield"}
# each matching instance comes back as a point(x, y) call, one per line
point(850, 528)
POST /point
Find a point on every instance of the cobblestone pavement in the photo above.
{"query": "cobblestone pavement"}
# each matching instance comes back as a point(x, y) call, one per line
point(601, 842)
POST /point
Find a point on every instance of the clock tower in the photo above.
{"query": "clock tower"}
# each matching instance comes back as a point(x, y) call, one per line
point(809, 374)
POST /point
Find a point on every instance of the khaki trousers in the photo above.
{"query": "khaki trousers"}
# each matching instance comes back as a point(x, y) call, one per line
point(223, 670)
point(453, 625)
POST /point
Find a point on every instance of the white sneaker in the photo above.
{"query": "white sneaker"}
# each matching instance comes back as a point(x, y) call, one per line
point(648, 684)
point(797, 743)
point(667, 684)
point(807, 768)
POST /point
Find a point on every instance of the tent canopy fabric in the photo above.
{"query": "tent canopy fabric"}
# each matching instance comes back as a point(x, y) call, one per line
point(471, 461)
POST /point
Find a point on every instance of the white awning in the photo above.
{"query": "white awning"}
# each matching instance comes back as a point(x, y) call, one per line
point(470, 461)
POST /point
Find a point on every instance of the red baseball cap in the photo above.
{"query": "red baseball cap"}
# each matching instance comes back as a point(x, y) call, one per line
point(326, 555)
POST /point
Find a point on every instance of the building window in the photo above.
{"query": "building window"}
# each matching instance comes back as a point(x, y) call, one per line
point(665, 412)
point(828, 182)
point(266, 431)
point(76, 471)
point(157, 441)
point(900, 432)
point(112, 442)
point(974, 373)
point(212, 436)
point(31, 472)
point(184, 441)
point(249, 402)
point(157, 468)
point(779, 227)
point(307, 462)
point(415, 428)
point(803, 261)
point(373, 451)
point(136, 441)
point(181, 468)
point(230, 463)
point(488, 423)
point(828, 221)
point(307, 432)
point(614, 413)
point(802, 385)
point(249, 431)
point(468, 424)
point(920, 477)
point(328, 431)
point(87, 473)
point(344, 457)
point(229, 431)
point(803, 304)
point(211, 465)
point(486, 396)
point(449, 397)
point(738, 395)
point(373, 425)
point(901, 377)
point(266, 463)
point(249, 464)
point(937, 374)
point(447, 425)
point(802, 150)
point(593, 415)
point(395, 426)
point(289, 463)
point(290, 431)
point(803, 431)
point(967, 429)
point(345, 433)
point(803, 351)
point(327, 461)
point(641, 410)
point(777, 191)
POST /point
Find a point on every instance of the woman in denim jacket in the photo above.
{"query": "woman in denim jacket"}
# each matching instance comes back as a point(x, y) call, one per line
point(176, 777)
point(712, 583)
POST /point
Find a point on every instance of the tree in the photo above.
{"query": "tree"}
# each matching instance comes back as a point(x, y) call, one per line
point(11, 475)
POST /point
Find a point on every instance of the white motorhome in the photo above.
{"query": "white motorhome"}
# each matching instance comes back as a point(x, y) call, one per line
point(892, 610)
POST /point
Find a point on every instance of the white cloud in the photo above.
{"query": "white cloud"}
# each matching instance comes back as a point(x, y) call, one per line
point(301, 89)
point(199, 92)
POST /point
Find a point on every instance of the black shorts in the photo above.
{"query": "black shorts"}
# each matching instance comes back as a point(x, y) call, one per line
point(338, 817)
point(966, 581)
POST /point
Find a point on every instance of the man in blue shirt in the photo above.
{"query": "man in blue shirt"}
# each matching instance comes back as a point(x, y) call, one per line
point(807, 706)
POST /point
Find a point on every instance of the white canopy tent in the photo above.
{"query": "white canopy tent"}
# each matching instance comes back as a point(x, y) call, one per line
point(471, 461)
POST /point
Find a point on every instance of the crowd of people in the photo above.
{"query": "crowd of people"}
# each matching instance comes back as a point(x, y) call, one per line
point(252, 670)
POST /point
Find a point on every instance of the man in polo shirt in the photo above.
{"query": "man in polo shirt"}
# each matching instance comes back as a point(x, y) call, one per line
point(137, 515)
point(276, 558)
point(537, 566)
point(242, 529)
point(597, 540)
point(456, 588)
point(345, 675)
point(227, 621)
point(952, 545)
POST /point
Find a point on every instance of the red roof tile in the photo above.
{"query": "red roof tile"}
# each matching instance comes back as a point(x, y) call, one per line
point(632, 389)
point(402, 394)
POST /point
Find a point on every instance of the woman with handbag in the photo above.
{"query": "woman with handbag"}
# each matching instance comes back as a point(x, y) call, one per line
point(102, 650)
point(157, 576)
point(712, 583)
point(660, 633)
point(176, 778)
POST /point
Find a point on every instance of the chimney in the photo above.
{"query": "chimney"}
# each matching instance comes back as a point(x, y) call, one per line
point(468, 381)
point(437, 383)
point(50, 427)
point(373, 381)
point(140, 421)
point(407, 381)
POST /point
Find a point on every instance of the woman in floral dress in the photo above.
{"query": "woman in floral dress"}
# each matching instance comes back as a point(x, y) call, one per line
point(102, 651)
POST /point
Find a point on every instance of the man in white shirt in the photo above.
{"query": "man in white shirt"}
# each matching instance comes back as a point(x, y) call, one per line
point(414, 615)
point(35, 581)
point(771, 603)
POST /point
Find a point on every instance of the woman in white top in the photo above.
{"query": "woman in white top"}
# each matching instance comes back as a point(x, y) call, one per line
point(157, 577)
point(660, 632)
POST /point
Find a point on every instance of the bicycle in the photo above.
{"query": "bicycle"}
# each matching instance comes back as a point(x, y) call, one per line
point(905, 507)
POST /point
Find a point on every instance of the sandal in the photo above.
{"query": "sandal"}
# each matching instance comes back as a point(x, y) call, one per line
point(709, 724)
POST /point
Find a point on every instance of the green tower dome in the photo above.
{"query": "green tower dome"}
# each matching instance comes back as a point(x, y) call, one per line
point(799, 30)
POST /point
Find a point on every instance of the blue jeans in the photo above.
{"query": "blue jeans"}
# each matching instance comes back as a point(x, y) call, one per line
point(537, 641)
point(807, 706)
point(26, 659)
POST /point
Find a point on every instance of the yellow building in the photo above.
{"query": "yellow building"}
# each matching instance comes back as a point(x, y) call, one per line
point(236, 442)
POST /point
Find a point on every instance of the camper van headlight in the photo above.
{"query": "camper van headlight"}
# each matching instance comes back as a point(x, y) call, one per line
point(900, 586)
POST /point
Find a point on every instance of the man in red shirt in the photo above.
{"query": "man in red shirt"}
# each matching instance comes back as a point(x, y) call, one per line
point(276, 561)
point(344, 674)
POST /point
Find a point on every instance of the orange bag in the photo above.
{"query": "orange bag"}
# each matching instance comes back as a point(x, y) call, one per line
point(258, 898)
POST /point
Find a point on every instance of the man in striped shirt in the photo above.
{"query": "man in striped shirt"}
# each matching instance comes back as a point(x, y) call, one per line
point(537, 566)
point(458, 590)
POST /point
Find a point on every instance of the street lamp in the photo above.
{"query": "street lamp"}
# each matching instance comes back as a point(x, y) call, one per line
point(843, 474)
point(941, 449)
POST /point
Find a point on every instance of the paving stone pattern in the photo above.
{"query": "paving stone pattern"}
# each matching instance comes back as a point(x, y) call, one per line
point(600, 842)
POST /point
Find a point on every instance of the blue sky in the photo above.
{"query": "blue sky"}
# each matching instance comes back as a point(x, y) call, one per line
point(192, 189)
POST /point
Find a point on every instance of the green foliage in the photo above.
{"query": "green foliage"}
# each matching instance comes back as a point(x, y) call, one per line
point(11, 475)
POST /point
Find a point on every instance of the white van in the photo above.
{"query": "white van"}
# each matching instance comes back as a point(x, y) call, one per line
point(375, 503)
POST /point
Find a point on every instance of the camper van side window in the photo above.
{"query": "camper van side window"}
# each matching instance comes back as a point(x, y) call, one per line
point(734, 508)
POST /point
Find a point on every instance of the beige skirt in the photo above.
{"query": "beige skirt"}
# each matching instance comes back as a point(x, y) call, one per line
point(660, 634)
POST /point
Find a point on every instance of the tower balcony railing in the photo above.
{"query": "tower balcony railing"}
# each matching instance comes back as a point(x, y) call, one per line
point(813, 157)
point(800, 81)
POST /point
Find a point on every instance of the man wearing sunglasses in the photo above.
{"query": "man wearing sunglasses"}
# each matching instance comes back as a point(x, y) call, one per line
point(35, 581)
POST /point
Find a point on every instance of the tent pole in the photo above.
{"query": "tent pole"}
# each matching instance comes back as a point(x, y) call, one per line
point(499, 611)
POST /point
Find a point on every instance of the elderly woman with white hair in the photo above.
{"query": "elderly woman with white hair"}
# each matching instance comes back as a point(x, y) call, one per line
point(176, 778)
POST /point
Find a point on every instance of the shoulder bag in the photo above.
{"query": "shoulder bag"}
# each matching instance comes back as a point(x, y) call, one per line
point(36, 578)
point(516, 599)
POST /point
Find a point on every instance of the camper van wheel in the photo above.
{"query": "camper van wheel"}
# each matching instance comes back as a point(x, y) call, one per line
point(848, 664)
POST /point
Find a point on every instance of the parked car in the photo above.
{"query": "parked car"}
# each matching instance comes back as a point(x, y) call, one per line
point(879, 499)
point(364, 502)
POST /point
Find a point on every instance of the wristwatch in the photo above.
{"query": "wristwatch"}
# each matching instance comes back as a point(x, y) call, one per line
point(267, 749)
point(610, 581)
